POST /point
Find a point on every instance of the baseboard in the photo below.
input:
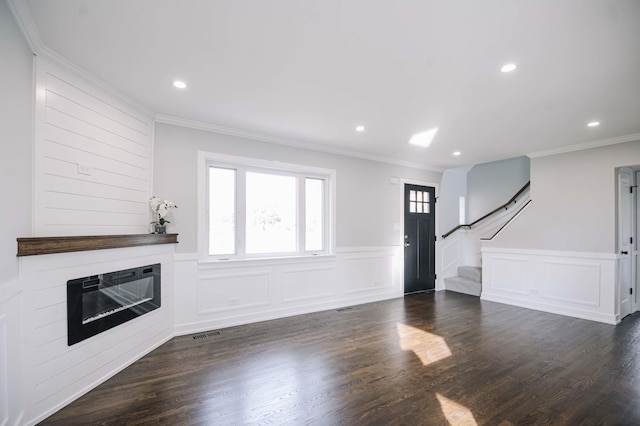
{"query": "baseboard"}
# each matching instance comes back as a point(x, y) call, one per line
point(558, 310)
point(267, 315)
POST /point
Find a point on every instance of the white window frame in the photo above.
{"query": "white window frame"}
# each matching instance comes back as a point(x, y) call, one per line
point(244, 164)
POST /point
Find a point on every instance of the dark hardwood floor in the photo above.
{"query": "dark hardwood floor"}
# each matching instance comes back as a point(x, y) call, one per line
point(427, 359)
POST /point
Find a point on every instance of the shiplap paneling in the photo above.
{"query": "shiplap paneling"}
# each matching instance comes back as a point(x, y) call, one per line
point(93, 159)
point(11, 353)
point(4, 372)
point(56, 373)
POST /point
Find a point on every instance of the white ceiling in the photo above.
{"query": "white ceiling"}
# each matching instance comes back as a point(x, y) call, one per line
point(309, 71)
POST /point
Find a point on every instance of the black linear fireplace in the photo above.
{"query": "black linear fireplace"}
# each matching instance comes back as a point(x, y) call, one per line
point(100, 302)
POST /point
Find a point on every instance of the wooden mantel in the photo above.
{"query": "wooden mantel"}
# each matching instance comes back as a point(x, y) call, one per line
point(49, 245)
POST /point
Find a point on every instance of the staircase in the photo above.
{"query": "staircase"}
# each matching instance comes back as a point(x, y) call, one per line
point(468, 281)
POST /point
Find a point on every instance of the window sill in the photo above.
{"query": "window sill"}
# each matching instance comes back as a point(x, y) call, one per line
point(264, 261)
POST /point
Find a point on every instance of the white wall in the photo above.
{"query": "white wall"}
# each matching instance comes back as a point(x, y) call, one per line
point(573, 204)
point(452, 187)
point(490, 185)
point(16, 77)
point(367, 204)
point(16, 86)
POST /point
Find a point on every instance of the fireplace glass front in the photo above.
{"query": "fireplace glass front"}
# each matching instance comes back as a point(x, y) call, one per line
point(100, 302)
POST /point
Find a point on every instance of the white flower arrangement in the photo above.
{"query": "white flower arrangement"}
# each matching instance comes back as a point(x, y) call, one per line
point(160, 209)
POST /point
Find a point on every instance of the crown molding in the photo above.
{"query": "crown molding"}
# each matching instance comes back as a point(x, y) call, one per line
point(27, 25)
point(199, 125)
point(586, 145)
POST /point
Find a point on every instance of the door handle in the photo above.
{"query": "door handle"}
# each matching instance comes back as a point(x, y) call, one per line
point(407, 244)
point(624, 252)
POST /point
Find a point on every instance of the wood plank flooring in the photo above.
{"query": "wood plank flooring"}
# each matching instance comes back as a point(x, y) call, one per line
point(428, 359)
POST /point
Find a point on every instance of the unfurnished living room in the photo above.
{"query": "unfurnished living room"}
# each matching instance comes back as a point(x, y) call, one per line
point(319, 212)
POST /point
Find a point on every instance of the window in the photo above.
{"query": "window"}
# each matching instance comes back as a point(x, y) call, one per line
point(419, 202)
point(253, 209)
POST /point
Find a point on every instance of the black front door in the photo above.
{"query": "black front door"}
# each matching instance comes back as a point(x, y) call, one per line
point(419, 238)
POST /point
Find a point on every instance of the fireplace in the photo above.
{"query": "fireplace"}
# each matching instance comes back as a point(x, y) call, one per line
point(100, 302)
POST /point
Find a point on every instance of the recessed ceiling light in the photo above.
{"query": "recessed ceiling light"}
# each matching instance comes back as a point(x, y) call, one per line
point(360, 129)
point(508, 67)
point(593, 124)
point(456, 153)
point(180, 84)
point(423, 139)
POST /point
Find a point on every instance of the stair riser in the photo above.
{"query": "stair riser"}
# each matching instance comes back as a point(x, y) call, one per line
point(472, 273)
point(463, 285)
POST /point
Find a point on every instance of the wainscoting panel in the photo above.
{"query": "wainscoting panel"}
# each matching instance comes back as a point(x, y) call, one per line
point(582, 285)
point(572, 282)
point(451, 254)
point(222, 294)
point(54, 373)
point(366, 273)
point(510, 275)
point(307, 284)
point(233, 291)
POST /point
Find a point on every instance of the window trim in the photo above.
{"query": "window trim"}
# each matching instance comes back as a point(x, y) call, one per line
point(207, 159)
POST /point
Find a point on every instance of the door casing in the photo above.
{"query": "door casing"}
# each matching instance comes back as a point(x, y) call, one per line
point(626, 241)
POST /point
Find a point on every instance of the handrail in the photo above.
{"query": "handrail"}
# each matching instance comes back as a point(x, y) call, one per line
point(507, 222)
point(492, 212)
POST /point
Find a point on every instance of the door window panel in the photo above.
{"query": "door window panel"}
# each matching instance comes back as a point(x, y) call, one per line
point(419, 202)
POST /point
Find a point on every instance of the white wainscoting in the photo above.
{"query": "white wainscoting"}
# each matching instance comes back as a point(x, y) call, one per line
point(55, 374)
point(215, 295)
point(92, 158)
point(582, 285)
point(11, 390)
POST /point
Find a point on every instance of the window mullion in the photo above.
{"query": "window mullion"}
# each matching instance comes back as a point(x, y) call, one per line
point(326, 217)
point(241, 211)
point(302, 225)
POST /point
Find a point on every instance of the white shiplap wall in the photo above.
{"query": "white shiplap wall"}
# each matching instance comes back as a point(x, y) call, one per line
point(93, 158)
point(54, 374)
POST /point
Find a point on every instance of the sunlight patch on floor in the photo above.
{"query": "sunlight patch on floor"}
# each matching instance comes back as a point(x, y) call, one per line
point(428, 347)
point(456, 414)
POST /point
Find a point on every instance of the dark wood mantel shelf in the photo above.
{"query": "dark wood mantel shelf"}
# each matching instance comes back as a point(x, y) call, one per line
point(49, 245)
